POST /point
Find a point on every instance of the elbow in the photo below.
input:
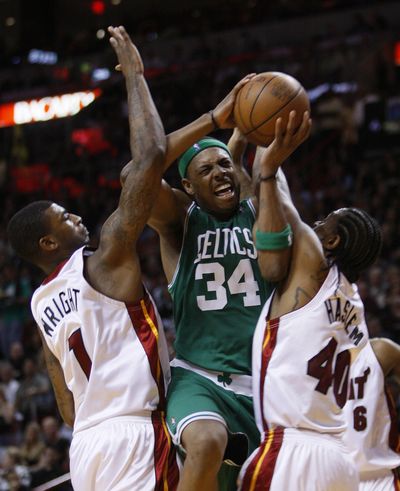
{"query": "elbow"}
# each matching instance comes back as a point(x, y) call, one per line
point(124, 173)
point(274, 266)
point(152, 160)
point(156, 149)
point(66, 408)
point(155, 160)
point(272, 274)
point(68, 418)
point(152, 156)
point(159, 154)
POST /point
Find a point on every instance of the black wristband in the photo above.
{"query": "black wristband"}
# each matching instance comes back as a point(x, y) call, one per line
point(213, 120)
point(268, 178)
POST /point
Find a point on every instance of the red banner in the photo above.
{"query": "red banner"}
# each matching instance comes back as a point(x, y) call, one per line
point(46, 108)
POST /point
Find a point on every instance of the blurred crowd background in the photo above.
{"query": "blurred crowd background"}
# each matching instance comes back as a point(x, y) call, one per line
point(345, 53)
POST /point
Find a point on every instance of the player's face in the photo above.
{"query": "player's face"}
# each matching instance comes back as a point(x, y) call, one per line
point(328, 226)
point(212, 181)
point(67, 228)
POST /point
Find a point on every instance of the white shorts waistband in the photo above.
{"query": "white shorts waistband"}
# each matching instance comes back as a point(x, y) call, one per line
point(239, 384)
point(144, 417)
point(303, 435)
point(376, 474)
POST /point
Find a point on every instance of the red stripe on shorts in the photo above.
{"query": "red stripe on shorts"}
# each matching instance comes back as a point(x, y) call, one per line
point(145, 324)
point(260, 471)
point(165, 464)
point(396, 480)
point(268, 346)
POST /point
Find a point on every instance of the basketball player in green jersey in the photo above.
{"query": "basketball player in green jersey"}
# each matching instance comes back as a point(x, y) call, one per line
point(211, 264)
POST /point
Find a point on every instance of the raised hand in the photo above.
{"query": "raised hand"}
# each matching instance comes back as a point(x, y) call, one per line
point(285, 143)
point(130, 61)
point(223, 113)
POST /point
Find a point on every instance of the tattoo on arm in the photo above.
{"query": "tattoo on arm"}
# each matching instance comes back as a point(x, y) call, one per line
point(300, 296)
point(303, 296)
point(63, 395)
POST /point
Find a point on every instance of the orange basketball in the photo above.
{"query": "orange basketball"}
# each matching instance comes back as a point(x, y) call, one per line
point(265, 98)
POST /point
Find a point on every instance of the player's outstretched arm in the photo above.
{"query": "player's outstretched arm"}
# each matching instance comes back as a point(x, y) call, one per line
point(276, 212)
point(142, 175)
point(284, 144)
point(388, 355)
point(114, 268)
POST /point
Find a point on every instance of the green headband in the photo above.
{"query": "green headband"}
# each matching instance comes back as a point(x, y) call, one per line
point(195, 149)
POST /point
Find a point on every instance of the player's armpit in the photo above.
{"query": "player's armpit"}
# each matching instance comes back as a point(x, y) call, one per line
point(64, 398)
point(121, 230)
point(169, 210)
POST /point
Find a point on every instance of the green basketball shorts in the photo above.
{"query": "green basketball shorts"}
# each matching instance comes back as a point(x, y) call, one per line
point(192, 397)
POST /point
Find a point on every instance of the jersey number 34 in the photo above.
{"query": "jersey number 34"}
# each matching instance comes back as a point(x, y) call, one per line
point(241, 281)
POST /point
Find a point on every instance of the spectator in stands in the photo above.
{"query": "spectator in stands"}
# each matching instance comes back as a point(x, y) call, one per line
point(14, 476)
point(48, 467)
point(8, 382)
point(34, 397)
point(16, 357)
point(51, 431)
point(8, 422)
point(15, 297)
point(392, 316)
point(32, 445)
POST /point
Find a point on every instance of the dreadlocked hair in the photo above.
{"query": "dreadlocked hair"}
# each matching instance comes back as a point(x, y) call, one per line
point(360, 242)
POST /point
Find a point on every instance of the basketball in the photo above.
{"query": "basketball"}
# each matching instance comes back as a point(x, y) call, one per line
point(265, 98)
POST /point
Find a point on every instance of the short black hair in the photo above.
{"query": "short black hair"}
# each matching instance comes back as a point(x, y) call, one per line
point(360, 242)
point(27, 227)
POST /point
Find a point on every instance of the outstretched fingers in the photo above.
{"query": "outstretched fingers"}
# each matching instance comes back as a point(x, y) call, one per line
point(116, 39)
point(116, 35)
point(294, 134)
point(279, 133)
point(128, 55)
point(305, 127)
point(287, 138)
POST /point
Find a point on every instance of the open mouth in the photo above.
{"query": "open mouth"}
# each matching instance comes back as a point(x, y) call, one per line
point(224, 190)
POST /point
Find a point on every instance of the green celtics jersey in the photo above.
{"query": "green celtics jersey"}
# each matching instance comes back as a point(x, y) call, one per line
point(218, 291)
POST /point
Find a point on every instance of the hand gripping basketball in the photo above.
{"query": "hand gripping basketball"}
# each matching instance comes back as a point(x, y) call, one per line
point(265, 98)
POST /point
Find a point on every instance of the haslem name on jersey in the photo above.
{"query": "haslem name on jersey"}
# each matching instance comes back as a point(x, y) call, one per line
point(345, 313)
point(62, 304)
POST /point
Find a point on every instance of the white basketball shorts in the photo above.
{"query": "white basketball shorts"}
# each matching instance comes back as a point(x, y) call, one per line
point(124, 454)
point(299, 460)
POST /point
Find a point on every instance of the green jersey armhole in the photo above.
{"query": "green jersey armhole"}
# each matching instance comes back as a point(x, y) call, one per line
point(171, 286)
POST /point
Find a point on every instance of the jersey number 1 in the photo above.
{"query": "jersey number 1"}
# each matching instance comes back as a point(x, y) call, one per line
point(75, 343)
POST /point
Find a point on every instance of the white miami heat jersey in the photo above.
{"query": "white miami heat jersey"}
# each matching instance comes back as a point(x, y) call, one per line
point(371, 434)
point(113, 354)
point(301, 360)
